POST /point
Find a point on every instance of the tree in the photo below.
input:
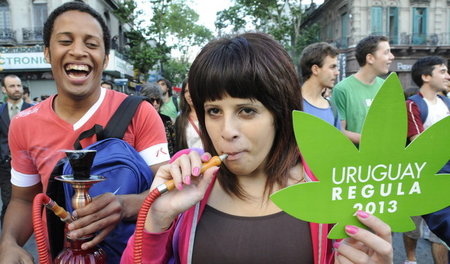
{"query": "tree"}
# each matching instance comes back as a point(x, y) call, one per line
point(172, 26)
point(281, 19)
point(176, 70)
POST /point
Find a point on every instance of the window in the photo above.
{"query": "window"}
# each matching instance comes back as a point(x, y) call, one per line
point(39, 14)
point(344, 30)
point(419, 32)
point(392, 25)
point(5, 16)
point(376, 18)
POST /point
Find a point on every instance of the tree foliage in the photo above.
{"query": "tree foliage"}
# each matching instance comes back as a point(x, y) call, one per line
point(176, 70)
point(281, 19)
point(170, 25)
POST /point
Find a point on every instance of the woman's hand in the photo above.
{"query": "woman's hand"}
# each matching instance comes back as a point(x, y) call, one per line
point(364, 246)
point(190, 189)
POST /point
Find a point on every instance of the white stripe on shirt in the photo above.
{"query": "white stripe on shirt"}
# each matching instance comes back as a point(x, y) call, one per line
point(410, 111)
point(24, 180)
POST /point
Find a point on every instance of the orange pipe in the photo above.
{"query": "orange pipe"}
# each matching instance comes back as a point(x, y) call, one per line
point(41, 238)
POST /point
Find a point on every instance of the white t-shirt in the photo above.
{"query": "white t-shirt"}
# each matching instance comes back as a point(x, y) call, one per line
point(436, 112)
point(192, 137)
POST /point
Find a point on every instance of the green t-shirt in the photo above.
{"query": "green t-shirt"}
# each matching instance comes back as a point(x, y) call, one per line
point(169, 109)
point(353, 99)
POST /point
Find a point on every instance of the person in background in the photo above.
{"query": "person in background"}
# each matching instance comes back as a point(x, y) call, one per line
point(186, 125)
point(244, 89)
point(26, 95)
point(431, 76)
point(318, 63)
point(36, 100)
point(354, 95)
point(107, 85)
point(170, 102)
point(152, 93)
point(13, 89)
point(76, 44)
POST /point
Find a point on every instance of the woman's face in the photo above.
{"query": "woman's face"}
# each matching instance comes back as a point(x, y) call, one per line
point(156, 102)
point(187, 96)
point(242, 128)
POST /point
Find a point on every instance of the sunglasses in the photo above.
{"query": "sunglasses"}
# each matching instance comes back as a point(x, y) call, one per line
point(152, 100)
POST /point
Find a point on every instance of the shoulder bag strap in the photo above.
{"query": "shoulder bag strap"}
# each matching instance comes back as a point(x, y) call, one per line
point(194, 126)
point(119, 122)
point(117, 125)
point(423, 108)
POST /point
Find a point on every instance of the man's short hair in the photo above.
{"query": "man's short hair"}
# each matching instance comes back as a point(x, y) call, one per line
point(367, 45)
point(26, 90)
point(425, 66)
point(315, 54)
point(9, 75)
point(76, 6)
point(108, 83)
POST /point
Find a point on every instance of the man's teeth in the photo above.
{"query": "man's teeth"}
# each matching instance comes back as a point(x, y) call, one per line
point(77, 67)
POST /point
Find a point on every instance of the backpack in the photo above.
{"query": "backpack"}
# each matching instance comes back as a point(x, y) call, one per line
point(423, 108)
point(175, 102)
point(120, 163)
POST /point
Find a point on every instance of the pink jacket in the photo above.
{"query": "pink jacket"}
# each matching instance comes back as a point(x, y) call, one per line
point(176, 244)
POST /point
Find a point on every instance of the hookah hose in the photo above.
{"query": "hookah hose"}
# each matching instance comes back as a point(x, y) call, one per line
point(153, 195)
point(41, 238)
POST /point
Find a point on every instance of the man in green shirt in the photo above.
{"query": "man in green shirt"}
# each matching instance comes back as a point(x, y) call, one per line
point(170, 102)
point(353, 95)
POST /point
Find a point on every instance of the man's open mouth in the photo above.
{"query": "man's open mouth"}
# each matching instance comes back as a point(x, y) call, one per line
point(77, 70)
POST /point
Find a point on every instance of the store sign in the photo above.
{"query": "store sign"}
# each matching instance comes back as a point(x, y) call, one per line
point(19, 61)
point(119, 65)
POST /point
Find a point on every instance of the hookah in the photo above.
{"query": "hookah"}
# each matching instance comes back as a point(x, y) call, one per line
point(151, 197)
point(81, 181)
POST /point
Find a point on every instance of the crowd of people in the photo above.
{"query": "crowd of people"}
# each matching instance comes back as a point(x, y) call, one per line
point(237, 100)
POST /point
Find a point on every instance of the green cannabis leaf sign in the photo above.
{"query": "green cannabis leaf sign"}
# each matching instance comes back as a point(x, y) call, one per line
point(382, 177)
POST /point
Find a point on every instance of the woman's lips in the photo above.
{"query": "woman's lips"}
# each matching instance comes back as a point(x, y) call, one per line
point(234, 155)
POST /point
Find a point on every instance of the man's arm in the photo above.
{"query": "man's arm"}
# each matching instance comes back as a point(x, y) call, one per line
point(353, 136)
point(415, 124)
point(18, 226)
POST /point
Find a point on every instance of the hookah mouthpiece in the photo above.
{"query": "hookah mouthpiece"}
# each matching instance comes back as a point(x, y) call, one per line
point(81, 162)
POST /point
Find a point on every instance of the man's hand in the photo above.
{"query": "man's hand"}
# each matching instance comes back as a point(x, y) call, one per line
point(18, 226)
point(101, 215)
point(14, 254)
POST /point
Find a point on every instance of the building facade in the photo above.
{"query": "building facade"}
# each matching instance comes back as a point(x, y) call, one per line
point(415, 28)
point(21, 42)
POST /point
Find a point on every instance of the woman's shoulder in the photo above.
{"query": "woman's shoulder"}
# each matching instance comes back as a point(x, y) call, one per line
point(296, 174)
point(165, 118)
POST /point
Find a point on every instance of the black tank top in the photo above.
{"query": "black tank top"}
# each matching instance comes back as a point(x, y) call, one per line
point(277, 238)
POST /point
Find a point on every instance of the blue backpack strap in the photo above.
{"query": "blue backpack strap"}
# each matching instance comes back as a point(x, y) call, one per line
point(423, 108)
point(445, 99)
point(335, 112)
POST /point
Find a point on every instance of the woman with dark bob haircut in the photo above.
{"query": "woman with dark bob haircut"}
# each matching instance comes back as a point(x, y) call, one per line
point(244, 89)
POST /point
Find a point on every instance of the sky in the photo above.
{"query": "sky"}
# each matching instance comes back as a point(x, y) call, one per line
point(207, 9)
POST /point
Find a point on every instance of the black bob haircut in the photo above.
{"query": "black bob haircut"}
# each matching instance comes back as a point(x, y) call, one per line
point(76, 6)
